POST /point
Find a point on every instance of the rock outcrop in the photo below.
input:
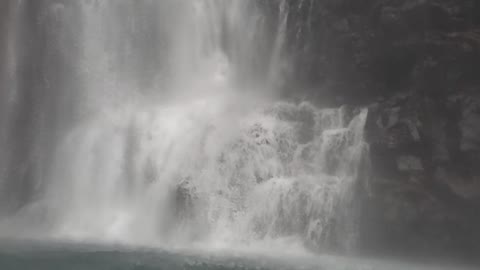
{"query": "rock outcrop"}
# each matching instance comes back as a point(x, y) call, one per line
point(424, 191)
point(355, 51)
point(416, 64)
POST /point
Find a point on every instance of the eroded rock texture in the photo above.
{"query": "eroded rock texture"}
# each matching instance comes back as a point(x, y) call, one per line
point(425, 186)
point(416, 64)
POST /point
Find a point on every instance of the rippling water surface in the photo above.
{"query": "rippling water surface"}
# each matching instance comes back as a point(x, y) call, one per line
point(40, 256)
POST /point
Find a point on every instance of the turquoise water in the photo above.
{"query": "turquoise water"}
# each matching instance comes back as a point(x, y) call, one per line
point(38, 256)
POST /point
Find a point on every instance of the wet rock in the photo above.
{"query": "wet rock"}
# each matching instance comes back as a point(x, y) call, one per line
point(185, 197)
point(409, 164)
point(470, 129)
point(416, 62)
point(424, 183)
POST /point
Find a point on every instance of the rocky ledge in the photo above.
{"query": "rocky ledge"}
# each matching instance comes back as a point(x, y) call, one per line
point(416, 65)
point(423, 196)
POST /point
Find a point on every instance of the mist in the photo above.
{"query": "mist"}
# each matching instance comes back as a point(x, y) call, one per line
point(303, 133)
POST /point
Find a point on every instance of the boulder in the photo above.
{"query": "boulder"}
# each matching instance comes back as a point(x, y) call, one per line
point(470, 131)
point(409, 164)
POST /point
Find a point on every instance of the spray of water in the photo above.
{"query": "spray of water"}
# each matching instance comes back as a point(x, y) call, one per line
point(176, 136)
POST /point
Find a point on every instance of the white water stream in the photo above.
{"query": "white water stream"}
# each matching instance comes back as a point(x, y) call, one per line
point(166, 129)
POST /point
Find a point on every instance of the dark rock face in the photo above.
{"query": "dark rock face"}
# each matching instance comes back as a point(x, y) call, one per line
point(425, 187)
point(347, 51)
point(417, 64)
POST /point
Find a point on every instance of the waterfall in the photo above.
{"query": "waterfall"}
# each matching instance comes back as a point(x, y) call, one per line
point(158, 122)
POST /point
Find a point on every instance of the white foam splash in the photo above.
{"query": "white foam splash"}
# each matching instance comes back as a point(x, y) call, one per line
point(170, 144)
point(197, 173)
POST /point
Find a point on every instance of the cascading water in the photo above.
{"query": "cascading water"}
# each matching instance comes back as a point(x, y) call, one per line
point(165, 129)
